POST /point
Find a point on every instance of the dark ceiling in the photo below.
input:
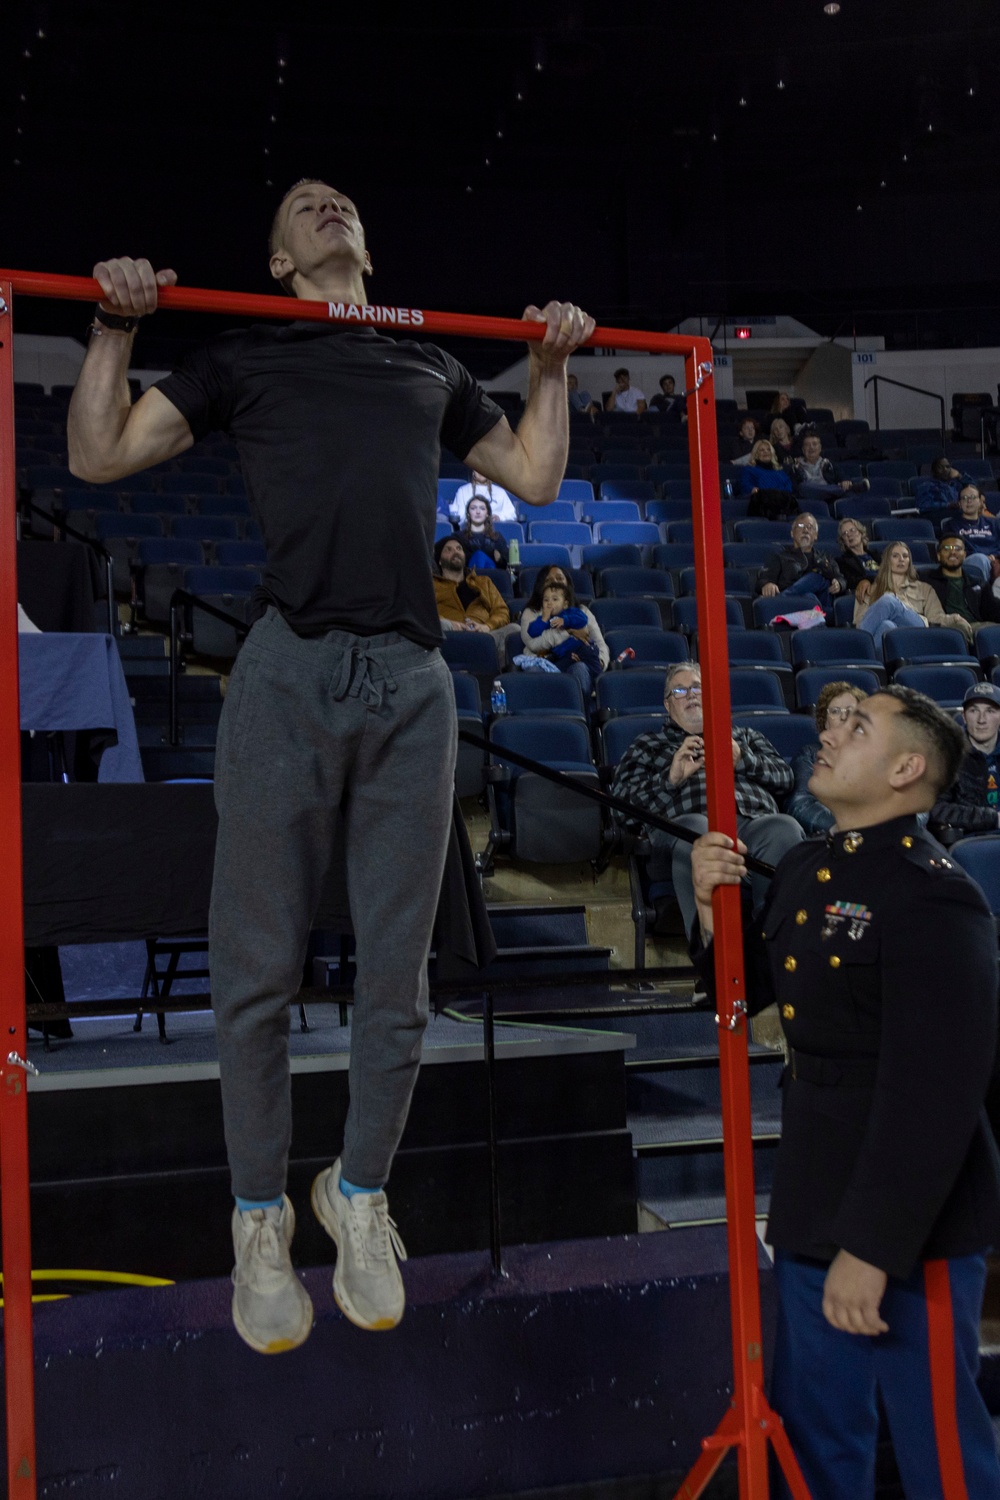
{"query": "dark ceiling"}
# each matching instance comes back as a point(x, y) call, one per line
point(576, 149)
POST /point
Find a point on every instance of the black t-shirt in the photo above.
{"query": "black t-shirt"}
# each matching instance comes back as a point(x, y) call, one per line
point(339, 433)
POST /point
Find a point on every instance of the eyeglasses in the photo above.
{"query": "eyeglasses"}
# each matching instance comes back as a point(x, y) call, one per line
point(839, 713)
point(689, 692)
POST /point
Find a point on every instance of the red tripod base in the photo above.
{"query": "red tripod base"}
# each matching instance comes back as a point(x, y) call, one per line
point(752, 1443)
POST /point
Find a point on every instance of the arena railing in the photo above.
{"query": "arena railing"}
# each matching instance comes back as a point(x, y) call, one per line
point(750, 1424)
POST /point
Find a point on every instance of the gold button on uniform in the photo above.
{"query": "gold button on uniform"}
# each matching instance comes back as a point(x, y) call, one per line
point(790, 964)
point(907, 842)
point(823, 875)
point(801, 916)
point(834, 961)
point(853, 843)
point(788, 1012)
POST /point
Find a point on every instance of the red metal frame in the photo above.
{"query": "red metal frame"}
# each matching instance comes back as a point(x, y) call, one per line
point(749, 1424)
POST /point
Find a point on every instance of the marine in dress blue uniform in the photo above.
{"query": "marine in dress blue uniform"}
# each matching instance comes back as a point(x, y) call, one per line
point(881, 955)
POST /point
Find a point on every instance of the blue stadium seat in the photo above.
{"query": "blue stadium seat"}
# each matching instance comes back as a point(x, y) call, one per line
point(863, 508)
point(920, 552)
point(883, 485)
point(531, 818)
point(206, 580)
point(788, 733)
point(979, 856)
point(777, 533)
point(50, 477)
point(113, 525)
point(673, 555)
point(241, 554)
point(621, 555)
point(653, 648)
point(511, 531)
point(205, 528)
point(624, 583)
point(757, 648)
point(735, 581)
point(811, 681)
point(190, 484)
point(751, 556)
point(612, 614)
point(684, 614)
point(556, 510)
point(583, 583)
point(987, 643)
point(667, 471)
point(891, 468)
point(470, 762)
point(92, 501)
point(831, 648)
point(614, 510)
point(563, 533)
point(447, 489)
point(628, 489)
point(601, 472)
point(623, 454)
point(629, 693)
point(659, 511)
point(681, 531)
point(197, 462)
point(918, 647)
point(442, 529)
point(577, 491)
point(626, 533)
point(155, 550)
point(549, 693)
point(734, 508)
point(542, 554)
point(221, 505)
point(471, 651)
point(756, 691)
point(978, 469)
point(149, 503)
point(618, 734)
point(946, 685)
point(675, 489)
point(764, 610)
point(904, 529)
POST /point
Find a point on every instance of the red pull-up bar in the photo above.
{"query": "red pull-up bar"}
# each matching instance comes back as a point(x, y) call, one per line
point(750, 1423)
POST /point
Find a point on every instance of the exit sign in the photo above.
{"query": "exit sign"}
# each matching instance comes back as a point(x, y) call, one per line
point(743, 332)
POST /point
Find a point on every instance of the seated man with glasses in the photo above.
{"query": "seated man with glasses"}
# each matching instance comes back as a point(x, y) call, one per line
point(664, 772)
point(965, 595)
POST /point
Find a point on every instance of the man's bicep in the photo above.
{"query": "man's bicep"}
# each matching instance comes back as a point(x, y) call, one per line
point(154, 431)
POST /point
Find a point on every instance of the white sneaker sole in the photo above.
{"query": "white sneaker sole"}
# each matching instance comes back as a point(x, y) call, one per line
point(276, 1346)
point(324, 1213)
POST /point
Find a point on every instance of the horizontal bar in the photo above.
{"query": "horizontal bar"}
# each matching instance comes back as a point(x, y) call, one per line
point(405, 319)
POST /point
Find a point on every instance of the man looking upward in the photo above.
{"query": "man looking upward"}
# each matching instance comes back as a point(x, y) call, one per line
point(339, 696)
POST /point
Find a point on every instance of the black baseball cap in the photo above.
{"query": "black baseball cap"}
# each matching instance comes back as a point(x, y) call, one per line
point(983, 692)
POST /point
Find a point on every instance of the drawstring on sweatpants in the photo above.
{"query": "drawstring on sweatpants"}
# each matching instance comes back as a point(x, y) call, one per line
point(362, 684)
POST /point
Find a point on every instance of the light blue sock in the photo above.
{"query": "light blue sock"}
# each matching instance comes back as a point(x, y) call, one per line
point(246, 1204)
point(349, 1189)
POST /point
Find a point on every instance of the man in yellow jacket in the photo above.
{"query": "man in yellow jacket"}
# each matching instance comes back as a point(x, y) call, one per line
point(466, 600)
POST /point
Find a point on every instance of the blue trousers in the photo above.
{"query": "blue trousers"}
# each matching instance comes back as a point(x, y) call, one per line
point(811, 583)
point(825, 1382)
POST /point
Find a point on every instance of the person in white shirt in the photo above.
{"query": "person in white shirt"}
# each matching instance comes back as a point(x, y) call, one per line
point(501, 505)
point(625, 396)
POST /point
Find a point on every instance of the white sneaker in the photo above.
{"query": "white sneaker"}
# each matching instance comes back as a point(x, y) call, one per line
point(272, 1310)
point(366, 1279)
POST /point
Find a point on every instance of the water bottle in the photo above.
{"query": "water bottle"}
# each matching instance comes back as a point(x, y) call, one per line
point(514, 553)
point(627, 655)
point(498, 699)
point(728, 487)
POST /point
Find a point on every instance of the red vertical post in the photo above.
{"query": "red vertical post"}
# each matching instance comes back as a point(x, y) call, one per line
point(713, 652)
point(19, 1363)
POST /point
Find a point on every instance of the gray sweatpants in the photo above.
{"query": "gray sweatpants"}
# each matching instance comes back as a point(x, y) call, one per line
point(308, 724)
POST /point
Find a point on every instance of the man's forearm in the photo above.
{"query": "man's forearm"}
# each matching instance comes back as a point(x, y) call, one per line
point(100, 407)
point(543, 433)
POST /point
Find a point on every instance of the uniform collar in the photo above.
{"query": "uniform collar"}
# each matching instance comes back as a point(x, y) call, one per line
point(843, 843)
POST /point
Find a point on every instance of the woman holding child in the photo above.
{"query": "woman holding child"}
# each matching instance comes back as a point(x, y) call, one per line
point(555, 626)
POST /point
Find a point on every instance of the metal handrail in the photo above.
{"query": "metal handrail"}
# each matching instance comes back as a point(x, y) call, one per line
point(917, 389)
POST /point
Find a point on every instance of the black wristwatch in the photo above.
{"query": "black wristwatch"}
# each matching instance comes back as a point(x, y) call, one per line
point(112, 320)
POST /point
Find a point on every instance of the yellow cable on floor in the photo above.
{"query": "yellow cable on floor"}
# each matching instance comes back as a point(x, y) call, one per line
point(112, 1278)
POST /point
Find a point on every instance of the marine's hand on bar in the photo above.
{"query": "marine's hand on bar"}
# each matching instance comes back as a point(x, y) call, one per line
point(715, 861)
point(131, 287)
point(568, 326)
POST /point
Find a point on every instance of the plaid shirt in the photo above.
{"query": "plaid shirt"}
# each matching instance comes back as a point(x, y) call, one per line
point(643, 775)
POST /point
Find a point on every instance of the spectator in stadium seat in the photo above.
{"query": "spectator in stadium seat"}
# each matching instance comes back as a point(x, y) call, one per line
point(858, 565)
point(978, 529)
point(572, 636)
point(538, 644)
point(484, 545)
point(581, 401)
point(790, 411)
point(501, 505)
point(972, 802)
point(834, 708)
point(625, 396)
point(801, 568)
point(942, 493)
point(663, 771)
point(466, 600)
point(767, 484)
point(742, 445)
point(780, 437)
point(667, 402)
point(815, 477)
point(962, 593)
point(898, 597)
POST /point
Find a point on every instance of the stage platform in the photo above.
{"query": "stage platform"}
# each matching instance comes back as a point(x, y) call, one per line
point(128, 1165)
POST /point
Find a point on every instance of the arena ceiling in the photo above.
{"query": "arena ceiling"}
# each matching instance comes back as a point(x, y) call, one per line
point(651, 162)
